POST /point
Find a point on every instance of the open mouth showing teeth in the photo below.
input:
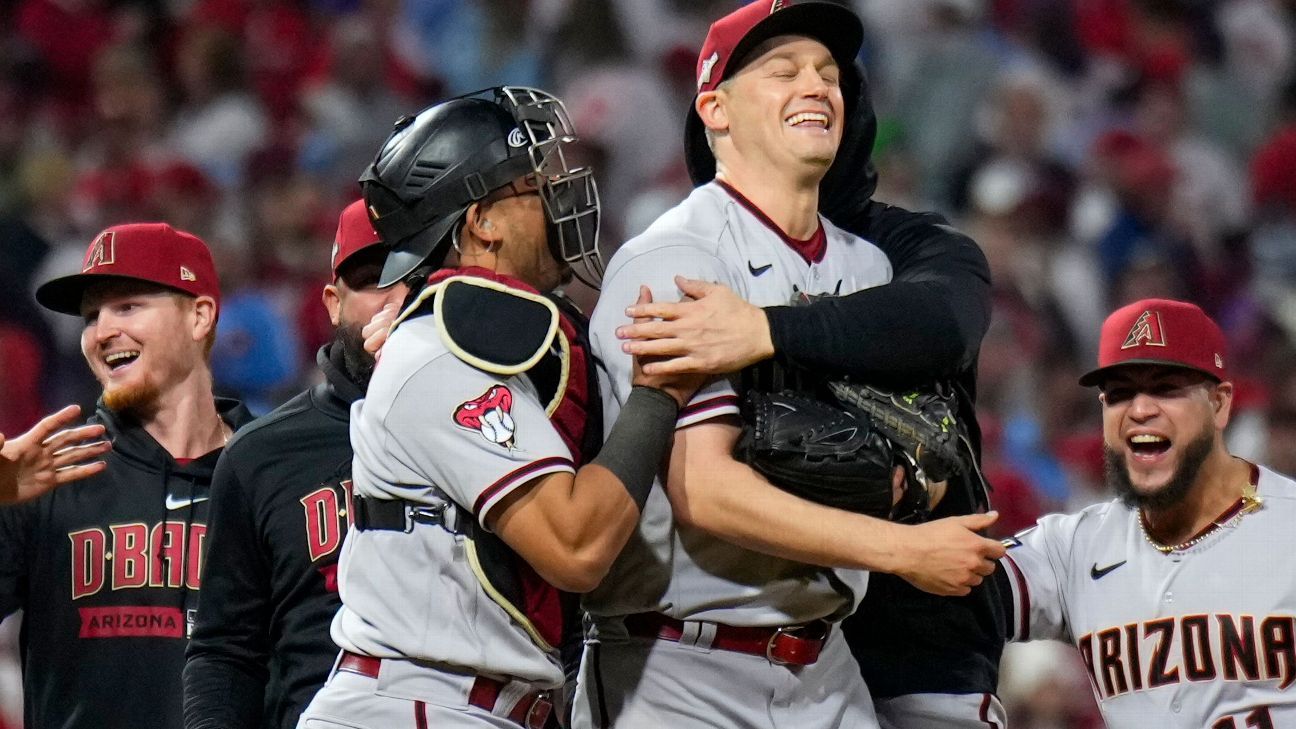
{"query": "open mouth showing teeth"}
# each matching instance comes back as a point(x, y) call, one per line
point(117, 360)
point(808, 119)
point(1148, 445)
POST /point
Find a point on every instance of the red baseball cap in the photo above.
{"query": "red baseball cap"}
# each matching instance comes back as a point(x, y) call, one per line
point(153, 252)
point(736, 34)
point(355, 233)
point(1160, 332)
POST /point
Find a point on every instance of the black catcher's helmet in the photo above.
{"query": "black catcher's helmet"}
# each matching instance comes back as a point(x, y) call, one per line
point(439, 162)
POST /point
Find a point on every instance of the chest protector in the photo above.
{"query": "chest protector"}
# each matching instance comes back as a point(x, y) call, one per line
point(503, 326)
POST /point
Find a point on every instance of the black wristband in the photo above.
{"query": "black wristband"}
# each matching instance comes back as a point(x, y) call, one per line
point(639, 440)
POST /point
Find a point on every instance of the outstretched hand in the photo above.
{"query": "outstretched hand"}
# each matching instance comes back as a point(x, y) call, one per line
point(681, 386)
point(49, 455)
point(947, 556)
point(712, 331)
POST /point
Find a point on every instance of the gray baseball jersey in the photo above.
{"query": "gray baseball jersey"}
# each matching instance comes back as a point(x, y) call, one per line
point(431, 419)
point(716, 235)
point(1201, 638)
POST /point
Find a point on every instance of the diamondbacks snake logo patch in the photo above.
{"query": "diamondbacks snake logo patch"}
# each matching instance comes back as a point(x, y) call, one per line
point(490, 415)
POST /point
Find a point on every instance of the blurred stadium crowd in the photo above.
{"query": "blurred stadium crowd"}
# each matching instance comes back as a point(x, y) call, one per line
point(1100, 151)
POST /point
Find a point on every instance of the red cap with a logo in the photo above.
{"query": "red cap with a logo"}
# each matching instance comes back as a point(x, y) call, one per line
point(153, 252)
point(354, 234)
point(736, 34)
point(1160, 332)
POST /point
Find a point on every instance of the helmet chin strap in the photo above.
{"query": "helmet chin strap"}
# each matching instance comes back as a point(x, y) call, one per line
point(552, 238)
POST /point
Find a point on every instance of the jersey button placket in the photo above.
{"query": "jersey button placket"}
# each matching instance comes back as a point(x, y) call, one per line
point(1171, 577)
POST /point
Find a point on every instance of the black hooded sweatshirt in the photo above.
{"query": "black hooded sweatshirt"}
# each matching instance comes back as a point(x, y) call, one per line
point(261, 646)
point(926, 324)
point(106, 571)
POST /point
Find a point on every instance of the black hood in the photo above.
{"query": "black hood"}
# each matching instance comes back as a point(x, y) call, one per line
point(850, 183)
point(134, 444)
point(341, 387)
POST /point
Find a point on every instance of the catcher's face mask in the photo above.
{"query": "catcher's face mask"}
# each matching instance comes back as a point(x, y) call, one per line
point(568, 191)
point(435, 165)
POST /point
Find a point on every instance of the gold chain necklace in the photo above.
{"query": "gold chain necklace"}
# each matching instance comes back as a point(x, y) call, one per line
point(1249, 502)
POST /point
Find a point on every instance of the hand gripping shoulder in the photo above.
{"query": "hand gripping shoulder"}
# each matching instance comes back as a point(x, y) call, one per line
point(488, 324)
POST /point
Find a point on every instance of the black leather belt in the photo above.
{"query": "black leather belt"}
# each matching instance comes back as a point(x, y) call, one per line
point(399, 515)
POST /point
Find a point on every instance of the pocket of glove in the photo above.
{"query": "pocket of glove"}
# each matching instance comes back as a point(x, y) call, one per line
point(818, 452)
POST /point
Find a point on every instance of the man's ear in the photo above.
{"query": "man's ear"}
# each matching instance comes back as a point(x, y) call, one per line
point(710, 107)
point(332, 299)
point(1221, 397)
point(477, 222)
point(204, 309)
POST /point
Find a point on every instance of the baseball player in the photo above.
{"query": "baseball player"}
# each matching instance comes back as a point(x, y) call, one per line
point(107, 570)
point(478, 505)
point(722, 610)
point(928, 660)
point(1178, 593)
point(49, 455)
point(281, 507)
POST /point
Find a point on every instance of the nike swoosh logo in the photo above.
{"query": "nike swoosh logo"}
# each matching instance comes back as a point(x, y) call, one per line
point(1098, 574)
point(172, 503)
point(758, 270)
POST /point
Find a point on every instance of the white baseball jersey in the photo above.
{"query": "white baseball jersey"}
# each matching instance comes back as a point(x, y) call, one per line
point(1198, 639)
point(716, 235)
point(431, 419)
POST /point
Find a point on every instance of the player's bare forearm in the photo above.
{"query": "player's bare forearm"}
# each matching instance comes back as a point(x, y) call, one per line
point(711, 491)
point(569, 528)
point(729, 500)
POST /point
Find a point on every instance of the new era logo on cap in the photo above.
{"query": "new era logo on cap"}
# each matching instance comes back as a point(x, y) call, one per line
point(707, 64)
point(1160, 332)
point(153, 252)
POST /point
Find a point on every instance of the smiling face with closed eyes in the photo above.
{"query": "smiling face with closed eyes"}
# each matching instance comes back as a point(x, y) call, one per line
point(781, 110)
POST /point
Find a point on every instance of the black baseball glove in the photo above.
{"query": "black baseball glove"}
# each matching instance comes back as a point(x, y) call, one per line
point(818, 451)
point(844, 454)
point(923, 423)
